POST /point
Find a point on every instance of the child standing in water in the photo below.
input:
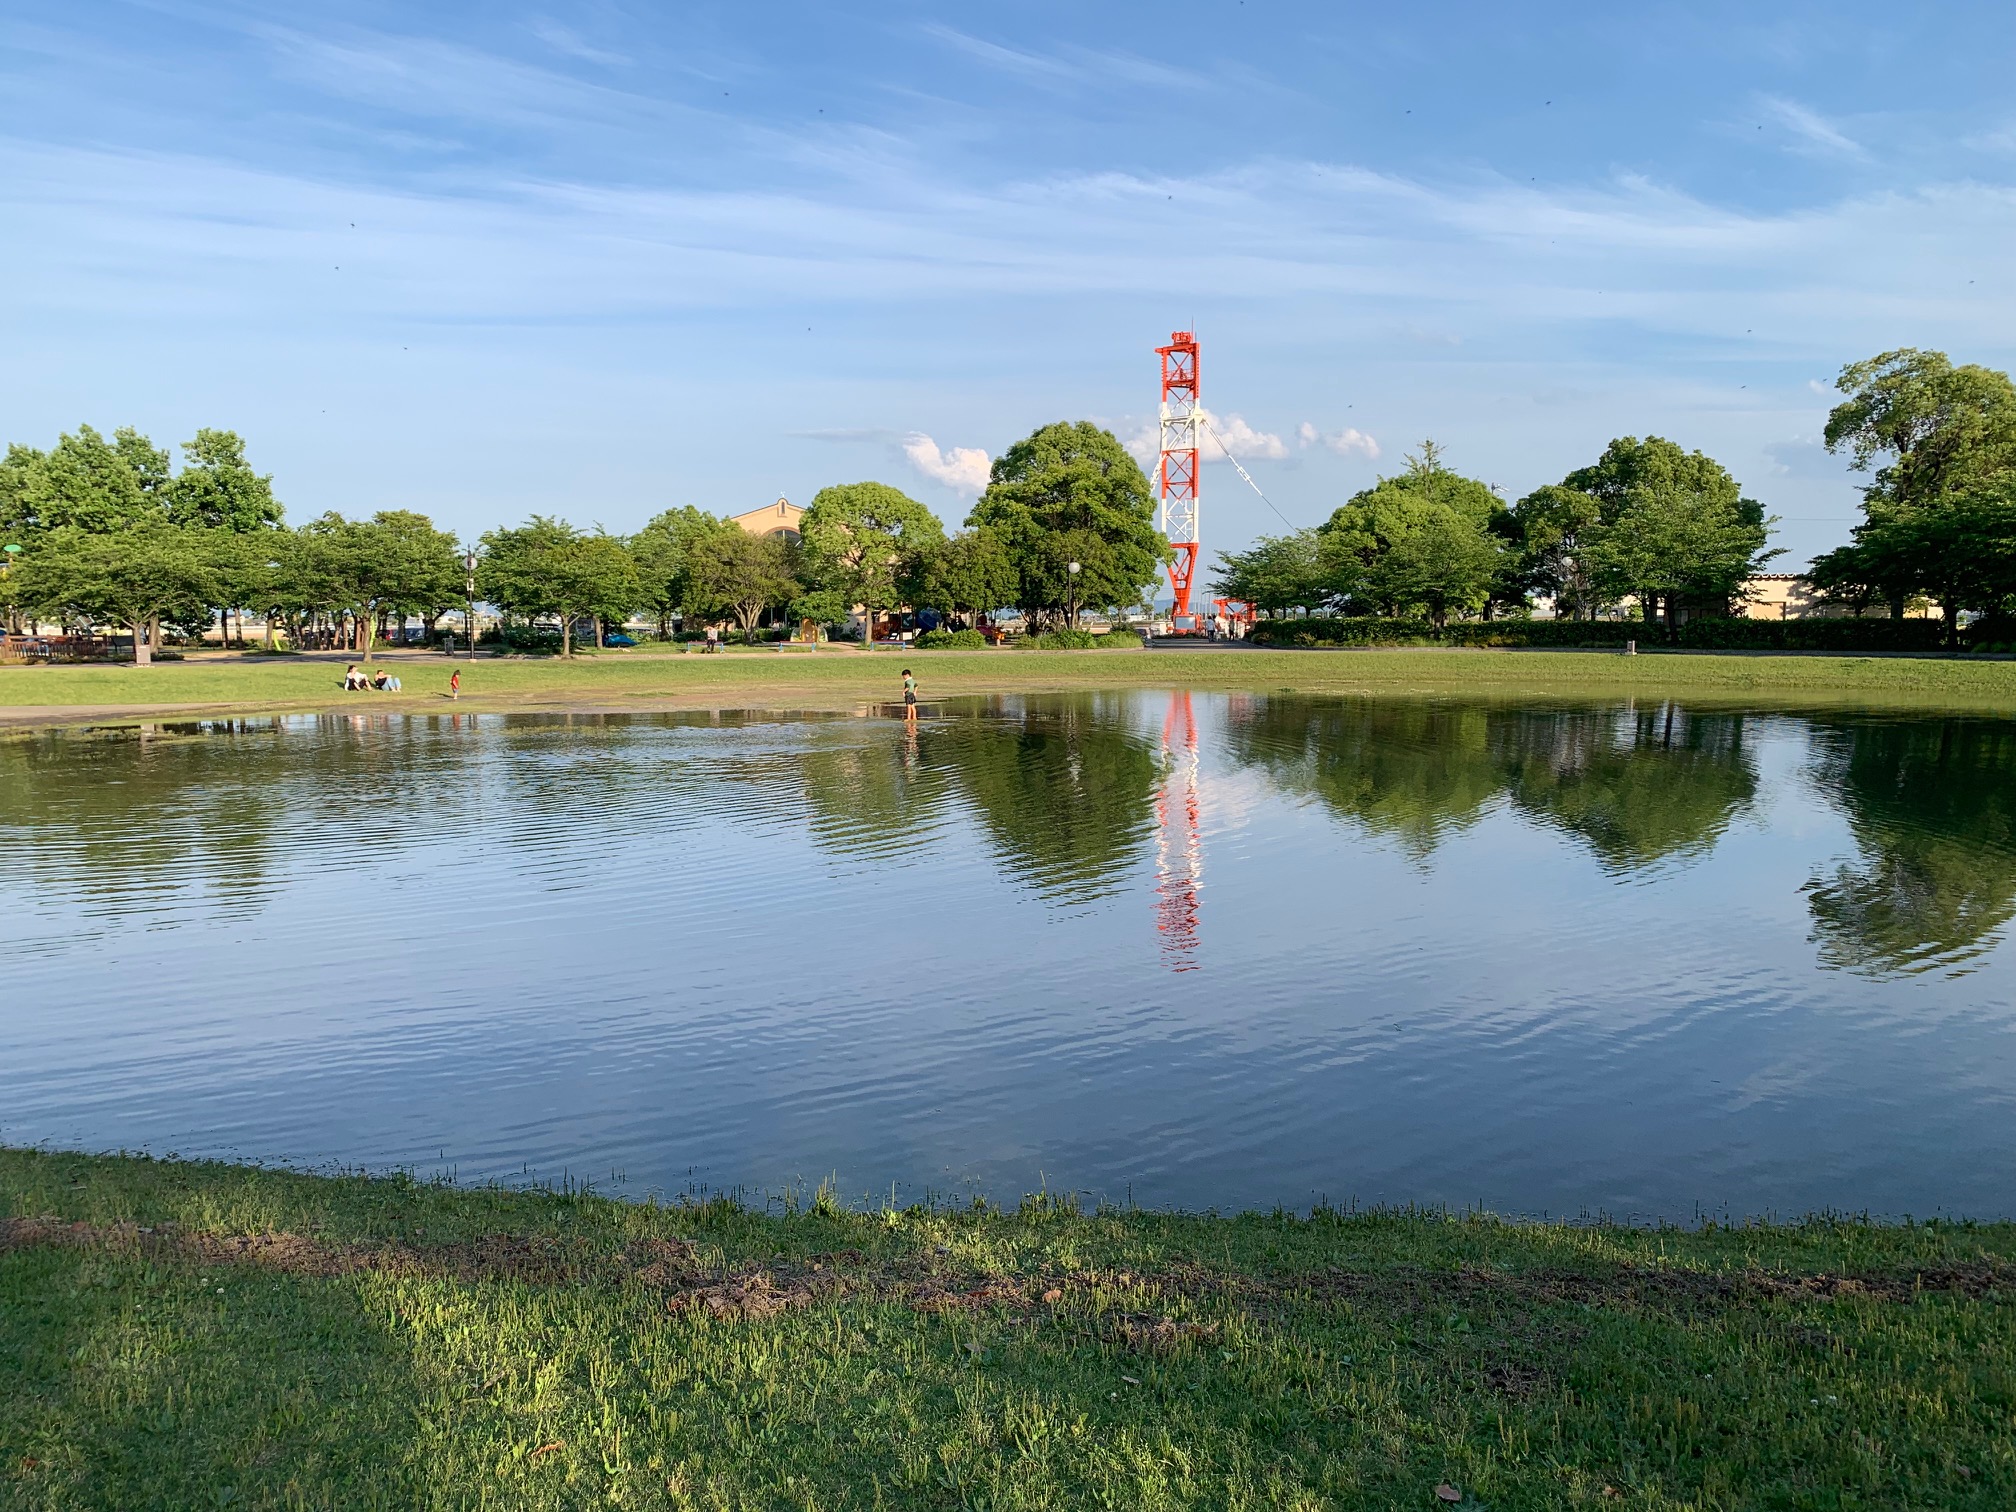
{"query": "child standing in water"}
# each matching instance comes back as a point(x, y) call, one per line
point(455, 684)
point(909, 697)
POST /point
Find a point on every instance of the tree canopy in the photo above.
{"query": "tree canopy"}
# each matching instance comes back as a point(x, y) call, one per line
point(1422, 542)
point(853, 541)
point(130, 577)
point(218, 490)
point(730, 571)
point(1940, 444)
point(1070, 492)
point(547, 566)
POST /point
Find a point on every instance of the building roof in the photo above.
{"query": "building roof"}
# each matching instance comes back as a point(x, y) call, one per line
point(783, 515)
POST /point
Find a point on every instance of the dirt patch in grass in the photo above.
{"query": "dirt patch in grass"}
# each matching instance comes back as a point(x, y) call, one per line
point(676, 1269)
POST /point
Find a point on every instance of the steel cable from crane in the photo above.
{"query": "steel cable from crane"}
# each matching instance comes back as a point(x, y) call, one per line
point(1245, 474)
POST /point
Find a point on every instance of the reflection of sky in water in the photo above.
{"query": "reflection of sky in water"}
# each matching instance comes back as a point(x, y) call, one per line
point(1640, 961)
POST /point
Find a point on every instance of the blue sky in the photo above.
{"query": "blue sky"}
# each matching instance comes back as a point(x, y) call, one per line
point(600, 259)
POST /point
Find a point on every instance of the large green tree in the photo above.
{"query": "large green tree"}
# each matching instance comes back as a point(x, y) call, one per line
point(731, 572)
point(1275, 573)
point(396, 562)
point(1940, 444)
point(133, 577)
point(662, 551)
point(1671, 524)
point(968, 573)
point(218, 490)
point(88, 483)
point(547, 566)
point(853, 541)
point(1423, 542)
point(1554, 525)
point(1070, 492)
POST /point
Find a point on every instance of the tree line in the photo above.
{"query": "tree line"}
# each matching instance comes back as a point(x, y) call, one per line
point(1663, 527)
point(109, 532)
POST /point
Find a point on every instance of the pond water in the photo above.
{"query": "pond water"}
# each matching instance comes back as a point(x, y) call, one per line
point(1185, 950)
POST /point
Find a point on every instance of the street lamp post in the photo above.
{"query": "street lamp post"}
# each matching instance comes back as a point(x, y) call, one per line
point(469, 584)
point(1072, 569)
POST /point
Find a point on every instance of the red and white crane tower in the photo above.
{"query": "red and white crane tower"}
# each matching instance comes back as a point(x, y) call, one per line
point(1176, 475)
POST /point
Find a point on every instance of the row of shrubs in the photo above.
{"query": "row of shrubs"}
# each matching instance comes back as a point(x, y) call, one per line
point(1844, 635)
point(950, 640)
point(1050, 640)
point(1083, 640)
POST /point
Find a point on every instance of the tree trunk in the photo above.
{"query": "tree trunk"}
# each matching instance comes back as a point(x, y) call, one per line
point(566, 637)
point(1951, 611)
point(364, 636)
point(143, 654)
point(599, 629)
point(269, 629)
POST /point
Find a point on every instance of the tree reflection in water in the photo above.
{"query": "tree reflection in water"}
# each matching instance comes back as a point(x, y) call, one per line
point(1062, 789)
point(1638, 786)
point(1932, 806)
point(1410, 772)
point(1635, 786)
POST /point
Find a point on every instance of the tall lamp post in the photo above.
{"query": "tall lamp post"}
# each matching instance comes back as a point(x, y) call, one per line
point(1072, 569)
point(469, 584)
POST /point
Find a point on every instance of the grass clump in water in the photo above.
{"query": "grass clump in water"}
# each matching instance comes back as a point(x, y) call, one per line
point(185, 1335)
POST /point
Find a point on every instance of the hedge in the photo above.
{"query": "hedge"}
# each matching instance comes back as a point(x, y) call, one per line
point(950, 640)
point(1062, 640)
point(1841, 635)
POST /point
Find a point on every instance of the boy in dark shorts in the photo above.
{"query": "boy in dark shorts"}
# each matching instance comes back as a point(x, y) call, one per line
point(909, 697)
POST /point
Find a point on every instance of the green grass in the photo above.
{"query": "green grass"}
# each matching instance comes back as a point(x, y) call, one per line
point(405, 1345)
point(627, 680)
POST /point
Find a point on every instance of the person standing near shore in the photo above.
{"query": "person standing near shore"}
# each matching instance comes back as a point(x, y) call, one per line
point(455, 684)
point(909, 697)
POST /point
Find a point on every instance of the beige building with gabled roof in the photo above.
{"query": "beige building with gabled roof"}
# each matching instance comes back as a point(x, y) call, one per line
point(779, 519)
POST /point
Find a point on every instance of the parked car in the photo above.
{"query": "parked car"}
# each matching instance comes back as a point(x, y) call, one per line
point(617, 640)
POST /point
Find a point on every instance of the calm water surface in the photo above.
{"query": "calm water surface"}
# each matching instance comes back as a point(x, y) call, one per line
point(1196, 950)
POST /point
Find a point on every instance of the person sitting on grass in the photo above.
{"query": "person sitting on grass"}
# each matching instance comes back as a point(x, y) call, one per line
point(353, 680)
point(385, 682)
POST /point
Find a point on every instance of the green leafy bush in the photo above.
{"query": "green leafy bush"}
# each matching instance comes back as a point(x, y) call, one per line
point(950, 640)
point(1990, 634)
point(1342, 632)
point(1809, 635)
point(1838, 635)
point(1062, 640)
point(1117, 640)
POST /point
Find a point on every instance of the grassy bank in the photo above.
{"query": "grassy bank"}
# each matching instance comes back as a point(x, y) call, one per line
point(181, 1335)
point(840, 677)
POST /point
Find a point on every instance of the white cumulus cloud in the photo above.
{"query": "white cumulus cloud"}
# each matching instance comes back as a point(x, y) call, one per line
point(1348, 442)
point(1241, 440)
point(963, 468)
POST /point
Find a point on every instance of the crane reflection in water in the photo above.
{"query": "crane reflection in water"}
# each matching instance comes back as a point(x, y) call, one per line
point(1179, 846)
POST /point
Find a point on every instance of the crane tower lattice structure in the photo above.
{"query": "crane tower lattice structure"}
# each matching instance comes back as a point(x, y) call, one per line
point(1176, 474)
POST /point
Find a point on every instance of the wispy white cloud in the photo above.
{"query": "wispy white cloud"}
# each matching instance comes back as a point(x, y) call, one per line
point(570, 43)
point(960, 468)
point(1812, 129)
point(1068, 65)
point(106, 230)
point(1348, 442)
